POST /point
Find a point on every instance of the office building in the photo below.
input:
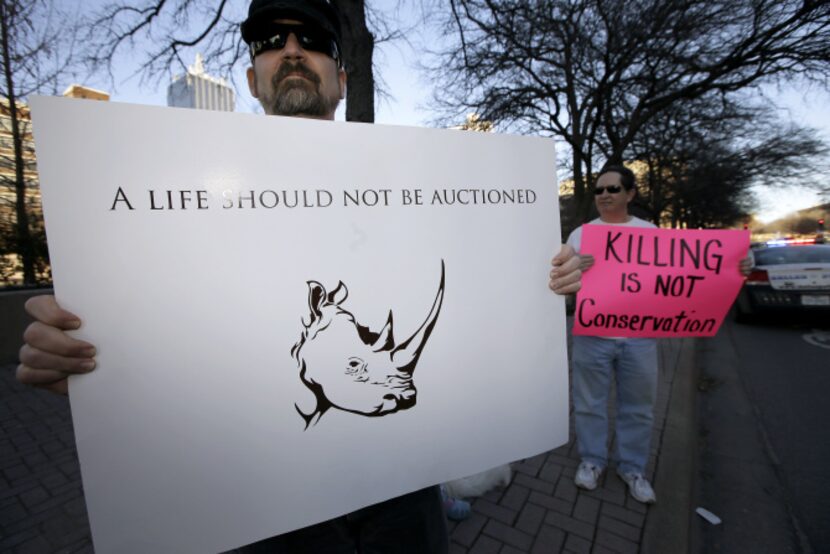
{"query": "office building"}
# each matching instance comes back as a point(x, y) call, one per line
point(197, 89)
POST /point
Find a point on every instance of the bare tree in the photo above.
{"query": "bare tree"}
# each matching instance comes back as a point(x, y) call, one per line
point(714, 190)
point(595, 72)
point(699, 159)
point(162, 36)
point(35, 52)
point(358, 48)
point(174, 28)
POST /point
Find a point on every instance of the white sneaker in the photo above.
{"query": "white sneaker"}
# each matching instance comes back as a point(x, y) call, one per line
point(587, 475)
point(639, 487)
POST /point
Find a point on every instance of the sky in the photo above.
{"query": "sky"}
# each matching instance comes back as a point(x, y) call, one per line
point(410, 93)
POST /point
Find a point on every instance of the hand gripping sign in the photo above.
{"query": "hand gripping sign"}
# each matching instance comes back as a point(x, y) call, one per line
point(658, 282)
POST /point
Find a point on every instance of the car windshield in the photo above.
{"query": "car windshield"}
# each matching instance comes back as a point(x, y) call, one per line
point(792, 255)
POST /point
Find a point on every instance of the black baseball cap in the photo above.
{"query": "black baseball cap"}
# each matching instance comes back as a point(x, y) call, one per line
point(317, 12)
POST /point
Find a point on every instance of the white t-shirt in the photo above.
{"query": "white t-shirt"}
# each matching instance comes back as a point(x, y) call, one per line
point(575, 238)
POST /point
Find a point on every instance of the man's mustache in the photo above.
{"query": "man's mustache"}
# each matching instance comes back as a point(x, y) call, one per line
point(289, 68)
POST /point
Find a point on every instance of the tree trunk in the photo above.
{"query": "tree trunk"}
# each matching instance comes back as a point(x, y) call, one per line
point(23, 235)
point(358, 47)
point(581, 204)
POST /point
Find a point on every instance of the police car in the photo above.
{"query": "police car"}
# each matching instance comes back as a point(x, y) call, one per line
point(788, 276)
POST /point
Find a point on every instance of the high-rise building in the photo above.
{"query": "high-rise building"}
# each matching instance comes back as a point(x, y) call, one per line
point(197, 89)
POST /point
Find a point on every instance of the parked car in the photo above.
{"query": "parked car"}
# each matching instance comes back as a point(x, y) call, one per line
point(786, 278)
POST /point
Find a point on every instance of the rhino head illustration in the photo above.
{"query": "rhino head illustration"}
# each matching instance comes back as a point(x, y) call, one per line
point(349, 367)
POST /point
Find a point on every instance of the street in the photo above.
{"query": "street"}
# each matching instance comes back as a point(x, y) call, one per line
point(763, 448)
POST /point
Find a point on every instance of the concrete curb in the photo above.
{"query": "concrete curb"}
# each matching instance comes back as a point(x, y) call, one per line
point(668, 523)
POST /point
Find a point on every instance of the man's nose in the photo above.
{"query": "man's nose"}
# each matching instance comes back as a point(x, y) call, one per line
point(292, 48)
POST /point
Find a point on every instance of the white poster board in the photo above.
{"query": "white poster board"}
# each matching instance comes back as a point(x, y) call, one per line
point(177, 237)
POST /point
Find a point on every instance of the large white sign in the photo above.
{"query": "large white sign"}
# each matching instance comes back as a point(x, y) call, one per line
point(240, 276)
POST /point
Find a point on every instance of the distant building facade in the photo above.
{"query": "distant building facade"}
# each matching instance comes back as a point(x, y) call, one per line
point(80, 91)
point(10, 193)
point(27, 192)
point(197, 89)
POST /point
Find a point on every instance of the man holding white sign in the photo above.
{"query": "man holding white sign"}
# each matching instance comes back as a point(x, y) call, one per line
point(296, 71)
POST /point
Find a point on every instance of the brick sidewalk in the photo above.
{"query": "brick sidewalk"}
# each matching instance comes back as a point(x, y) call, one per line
point(42, 507)
point(542, 511)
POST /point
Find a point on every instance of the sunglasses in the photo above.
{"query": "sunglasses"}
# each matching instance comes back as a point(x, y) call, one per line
point(612, 189)
point(310, 38)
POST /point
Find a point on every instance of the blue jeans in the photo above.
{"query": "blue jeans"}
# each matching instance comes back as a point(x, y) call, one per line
point(633, 363)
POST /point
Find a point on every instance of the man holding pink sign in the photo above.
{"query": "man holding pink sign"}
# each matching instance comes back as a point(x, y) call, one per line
point(647, 283)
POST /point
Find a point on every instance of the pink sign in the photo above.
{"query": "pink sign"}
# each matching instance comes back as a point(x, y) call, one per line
point(658, 282)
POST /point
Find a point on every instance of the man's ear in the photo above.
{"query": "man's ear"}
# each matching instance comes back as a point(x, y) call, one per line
point(252, 82)
point(341, 77)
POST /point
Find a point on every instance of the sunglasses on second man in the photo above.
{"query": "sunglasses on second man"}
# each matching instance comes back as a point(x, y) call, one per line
point(612, 189)
point(309, 38)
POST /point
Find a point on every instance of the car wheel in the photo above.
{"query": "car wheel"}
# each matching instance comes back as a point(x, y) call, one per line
point(743, 310)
